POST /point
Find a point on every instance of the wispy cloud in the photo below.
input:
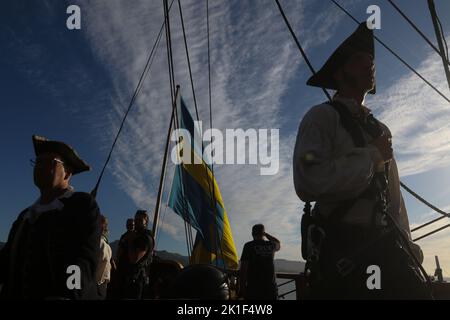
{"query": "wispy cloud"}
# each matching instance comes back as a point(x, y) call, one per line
point(435, 245)
point(418, 117)
point(253, 62)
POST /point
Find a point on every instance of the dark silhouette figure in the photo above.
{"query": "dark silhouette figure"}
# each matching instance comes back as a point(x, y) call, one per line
point(344, 162)
point(257, 271)
point(122, 250)
point(57, 237)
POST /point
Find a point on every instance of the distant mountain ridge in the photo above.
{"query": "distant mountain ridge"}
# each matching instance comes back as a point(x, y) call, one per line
point(281, 265)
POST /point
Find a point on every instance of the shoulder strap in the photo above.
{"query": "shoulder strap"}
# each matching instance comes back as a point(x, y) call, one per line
point(349, 124)
point(353, 127)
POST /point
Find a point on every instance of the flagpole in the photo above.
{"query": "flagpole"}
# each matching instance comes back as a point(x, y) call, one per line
point(164, 165)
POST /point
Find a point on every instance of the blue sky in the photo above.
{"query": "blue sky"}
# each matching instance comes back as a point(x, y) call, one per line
point(75, 86)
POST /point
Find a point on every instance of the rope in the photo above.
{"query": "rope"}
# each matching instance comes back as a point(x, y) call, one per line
point(443, 37)
point(219, 252)
point(417, 29)
point(298, 45)
point(161, 222)
point(143, 76)
point(396, 55)
point(407, 246)
point(432, 232)
point(428, 223)
point(188, 230)
point(169, 52)
point(193, 91)
point(211, 183)
point(415, 195)
point(172, 87)
point(188, 60)
point(188, 244)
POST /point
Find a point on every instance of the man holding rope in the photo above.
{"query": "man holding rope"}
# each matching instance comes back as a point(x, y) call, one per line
point(343, 161)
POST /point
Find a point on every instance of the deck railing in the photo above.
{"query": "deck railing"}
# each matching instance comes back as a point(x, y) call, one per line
point(300, 284)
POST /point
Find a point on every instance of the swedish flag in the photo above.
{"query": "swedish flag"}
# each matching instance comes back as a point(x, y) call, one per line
point(195, 196)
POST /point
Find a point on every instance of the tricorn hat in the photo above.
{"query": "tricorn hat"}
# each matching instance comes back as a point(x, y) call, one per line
point(67, 153)
point(360, 41)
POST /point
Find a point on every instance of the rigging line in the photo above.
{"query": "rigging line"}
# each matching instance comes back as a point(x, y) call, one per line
point(172, 82)
point(164, 164)
point(428, 223)
point(187, 241)
point(209, 65)
point(443, 37)
point(163, 168)
point(160, 226)
point(185, 211)
point(415, 195)
point(212, 183)
point(182, 184)
point(432, 232)
point(396, 55)
point(188, 59)
point(192, 86)
point(161, 223)
point(406, 244)
point(417, 29)
point(191, 239)
point(169, 52)
point(143, 76)
point(297, 42)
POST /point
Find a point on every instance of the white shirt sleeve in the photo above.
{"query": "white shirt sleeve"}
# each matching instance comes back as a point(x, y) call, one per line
point(325, 170)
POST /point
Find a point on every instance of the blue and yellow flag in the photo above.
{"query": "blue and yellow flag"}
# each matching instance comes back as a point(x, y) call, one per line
point(195, 196)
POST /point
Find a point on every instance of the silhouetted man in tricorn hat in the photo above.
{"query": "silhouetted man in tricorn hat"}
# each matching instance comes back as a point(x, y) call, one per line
point(53, 247)
point(356, 240)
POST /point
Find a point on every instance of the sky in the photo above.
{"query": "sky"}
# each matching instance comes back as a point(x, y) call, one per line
point(75, 85)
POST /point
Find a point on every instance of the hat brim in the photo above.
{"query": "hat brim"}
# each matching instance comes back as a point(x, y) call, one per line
point(360, 41)
point(67, 153)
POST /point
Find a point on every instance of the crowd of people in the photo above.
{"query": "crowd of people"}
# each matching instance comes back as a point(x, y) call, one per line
point(343, 162)
point(58, 247)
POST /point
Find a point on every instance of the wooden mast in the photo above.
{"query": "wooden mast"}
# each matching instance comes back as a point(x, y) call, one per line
point(164, 165)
